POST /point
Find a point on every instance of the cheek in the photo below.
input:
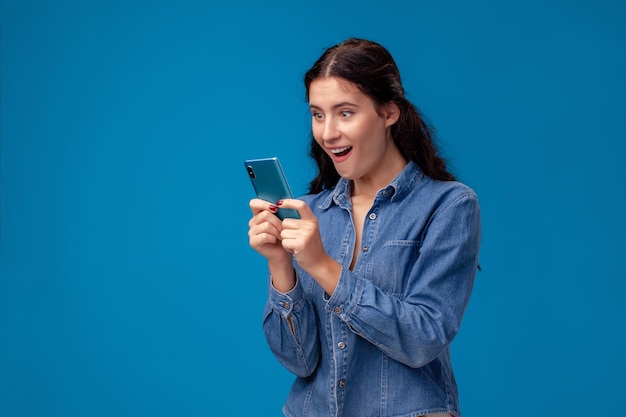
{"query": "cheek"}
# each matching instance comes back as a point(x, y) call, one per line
point(376, 134)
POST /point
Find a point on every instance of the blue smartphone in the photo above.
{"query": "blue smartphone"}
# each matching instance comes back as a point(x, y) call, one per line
point(270, 183)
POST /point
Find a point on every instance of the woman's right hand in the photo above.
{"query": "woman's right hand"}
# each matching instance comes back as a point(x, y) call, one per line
point(265, 228)
point(264, 234)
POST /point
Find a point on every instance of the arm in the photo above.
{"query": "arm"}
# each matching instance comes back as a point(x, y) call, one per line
point(290, 327)
point(288, 315)
point(416, 329)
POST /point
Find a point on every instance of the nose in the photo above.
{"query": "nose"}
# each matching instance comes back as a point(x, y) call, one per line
point(330, 131)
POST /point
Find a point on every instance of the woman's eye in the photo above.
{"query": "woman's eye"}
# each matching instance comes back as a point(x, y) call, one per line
point(346, 114)
point(318, 116)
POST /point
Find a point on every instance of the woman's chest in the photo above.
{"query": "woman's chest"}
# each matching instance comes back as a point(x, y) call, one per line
point(376, 244)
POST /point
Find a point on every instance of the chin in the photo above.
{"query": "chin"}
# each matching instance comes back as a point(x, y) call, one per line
point(346, 174)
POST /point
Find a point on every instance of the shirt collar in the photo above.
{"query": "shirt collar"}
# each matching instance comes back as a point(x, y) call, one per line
point(397, 189)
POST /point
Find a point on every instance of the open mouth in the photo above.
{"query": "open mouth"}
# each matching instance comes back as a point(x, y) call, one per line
point(341, 151)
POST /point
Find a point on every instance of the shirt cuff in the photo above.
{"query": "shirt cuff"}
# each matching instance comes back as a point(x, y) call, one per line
point(285, 301)
point(346, 295)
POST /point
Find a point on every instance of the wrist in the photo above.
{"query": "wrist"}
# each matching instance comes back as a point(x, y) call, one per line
point(283, 276)
point(326, 273)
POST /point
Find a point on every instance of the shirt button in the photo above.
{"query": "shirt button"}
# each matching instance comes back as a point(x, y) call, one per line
point(385, 193)
point(372, 216)
point(341, 345)
point(337, 310)
point(286, 306)
point(365, 248)
point(342, 383)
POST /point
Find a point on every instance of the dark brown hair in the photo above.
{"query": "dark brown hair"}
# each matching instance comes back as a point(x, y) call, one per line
point(371, 68)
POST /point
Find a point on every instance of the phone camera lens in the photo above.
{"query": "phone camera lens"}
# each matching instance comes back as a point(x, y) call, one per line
point(251, 172)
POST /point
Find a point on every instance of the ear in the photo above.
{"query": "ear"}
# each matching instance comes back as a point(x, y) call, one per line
point(391, 113)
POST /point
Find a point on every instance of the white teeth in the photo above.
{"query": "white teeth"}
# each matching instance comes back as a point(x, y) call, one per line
point(339, 150)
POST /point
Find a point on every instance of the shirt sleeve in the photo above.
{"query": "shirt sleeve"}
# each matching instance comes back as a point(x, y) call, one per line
point(290, 327)
point(416, 328)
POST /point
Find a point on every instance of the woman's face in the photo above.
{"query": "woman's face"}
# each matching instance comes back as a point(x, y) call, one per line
point(357, 138)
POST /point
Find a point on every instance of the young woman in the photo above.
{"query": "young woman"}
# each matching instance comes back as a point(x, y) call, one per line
point(367, 288)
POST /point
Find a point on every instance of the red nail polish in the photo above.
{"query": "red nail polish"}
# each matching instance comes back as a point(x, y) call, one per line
point(273, 208)
point(279, 203)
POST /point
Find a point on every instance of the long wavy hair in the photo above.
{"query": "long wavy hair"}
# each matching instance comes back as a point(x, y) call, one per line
point(371, 68)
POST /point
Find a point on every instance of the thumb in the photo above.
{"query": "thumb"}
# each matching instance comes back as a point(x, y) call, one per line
point(300, 206)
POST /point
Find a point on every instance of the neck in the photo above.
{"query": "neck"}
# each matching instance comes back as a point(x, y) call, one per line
point(390, 165)
point(369, 186)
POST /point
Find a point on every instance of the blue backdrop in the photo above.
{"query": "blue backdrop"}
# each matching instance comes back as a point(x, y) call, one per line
point(127, 287)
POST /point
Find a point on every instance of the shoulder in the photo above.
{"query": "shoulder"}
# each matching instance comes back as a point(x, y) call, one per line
point(448, 189)
point(441, 195)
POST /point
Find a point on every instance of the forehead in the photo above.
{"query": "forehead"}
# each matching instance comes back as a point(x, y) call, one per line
point(332, 90)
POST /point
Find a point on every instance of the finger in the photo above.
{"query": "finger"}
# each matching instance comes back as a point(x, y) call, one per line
point(265, 228)
point(300, 206)
point(258, 240)
point(265, 217)
point(262, 234)
point(290, 234)
point(257, 205)
point(289, 245)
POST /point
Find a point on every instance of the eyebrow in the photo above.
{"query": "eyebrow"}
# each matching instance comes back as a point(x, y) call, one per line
point(336, 106)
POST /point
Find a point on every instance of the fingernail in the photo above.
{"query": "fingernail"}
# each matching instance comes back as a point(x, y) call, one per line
point(273, 208)
point(279, 203)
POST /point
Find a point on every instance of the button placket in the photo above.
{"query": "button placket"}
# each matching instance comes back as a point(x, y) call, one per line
point(372, 216)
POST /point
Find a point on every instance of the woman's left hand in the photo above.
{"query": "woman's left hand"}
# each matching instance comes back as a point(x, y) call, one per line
point(302, 238)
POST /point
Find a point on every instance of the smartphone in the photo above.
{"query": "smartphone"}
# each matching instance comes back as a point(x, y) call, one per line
point(270, 183)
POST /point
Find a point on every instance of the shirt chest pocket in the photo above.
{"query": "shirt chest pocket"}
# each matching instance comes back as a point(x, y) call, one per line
point(390, 268)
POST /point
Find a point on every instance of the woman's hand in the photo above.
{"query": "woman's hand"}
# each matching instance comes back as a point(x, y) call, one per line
point(264, 235)
point(265, 229)
point(302, 238)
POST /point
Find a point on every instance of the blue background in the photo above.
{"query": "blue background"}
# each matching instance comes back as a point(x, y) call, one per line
point(127, 287)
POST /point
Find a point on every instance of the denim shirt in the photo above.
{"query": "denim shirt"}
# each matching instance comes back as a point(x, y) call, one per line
point(380, 345)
